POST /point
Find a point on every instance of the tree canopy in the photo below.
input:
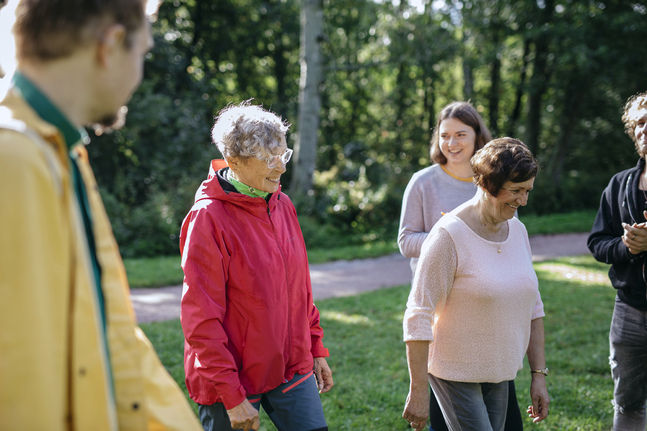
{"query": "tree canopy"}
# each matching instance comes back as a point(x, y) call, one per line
point(552, 73)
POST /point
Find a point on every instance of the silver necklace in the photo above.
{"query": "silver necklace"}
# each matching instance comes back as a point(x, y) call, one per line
point(501, 236)
point(488, 231)
point(501, 239)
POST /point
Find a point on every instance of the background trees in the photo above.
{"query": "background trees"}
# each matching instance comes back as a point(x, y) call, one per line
point(554, 73)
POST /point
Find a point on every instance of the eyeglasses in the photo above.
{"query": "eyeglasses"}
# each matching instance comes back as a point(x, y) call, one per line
point(273, 161)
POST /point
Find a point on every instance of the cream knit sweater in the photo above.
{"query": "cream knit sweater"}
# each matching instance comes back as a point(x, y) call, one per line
point(472, 303)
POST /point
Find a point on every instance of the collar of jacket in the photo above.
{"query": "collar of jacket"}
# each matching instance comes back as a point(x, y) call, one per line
point(49, 112)
point(212, 188)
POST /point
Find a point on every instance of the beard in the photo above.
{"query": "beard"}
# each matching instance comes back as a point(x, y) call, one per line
point(641, 148)
point(110, 122)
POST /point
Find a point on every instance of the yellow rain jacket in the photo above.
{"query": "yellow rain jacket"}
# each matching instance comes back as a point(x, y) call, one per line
point(54, 369)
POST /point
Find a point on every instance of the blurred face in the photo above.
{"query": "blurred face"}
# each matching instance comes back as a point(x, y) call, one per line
point(510, 198)
point(457, 141)
point(123, 74)
point(640, 130)
point(256, 173)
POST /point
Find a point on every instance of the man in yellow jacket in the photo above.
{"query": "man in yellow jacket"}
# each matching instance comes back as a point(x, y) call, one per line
point(71, 354)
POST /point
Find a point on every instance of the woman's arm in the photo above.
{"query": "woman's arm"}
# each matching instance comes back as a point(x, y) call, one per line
point(411, 233)
point(416, 409)
point(430, 288)
point(537, 361)
point(203, 308)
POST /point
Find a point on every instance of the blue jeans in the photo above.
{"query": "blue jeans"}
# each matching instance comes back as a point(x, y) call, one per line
point(293, 406)
point(628, 360)
point(472, 406)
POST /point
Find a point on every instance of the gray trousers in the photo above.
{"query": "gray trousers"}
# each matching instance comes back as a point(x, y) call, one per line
point(471, 406)
point(628, 360)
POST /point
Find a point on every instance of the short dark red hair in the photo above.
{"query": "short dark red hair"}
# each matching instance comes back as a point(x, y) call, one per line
point(501, 160)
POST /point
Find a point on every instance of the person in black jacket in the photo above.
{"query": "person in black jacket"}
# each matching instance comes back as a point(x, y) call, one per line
point(619, 238)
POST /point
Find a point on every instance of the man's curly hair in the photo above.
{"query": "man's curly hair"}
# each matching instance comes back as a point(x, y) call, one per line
point(634, 104)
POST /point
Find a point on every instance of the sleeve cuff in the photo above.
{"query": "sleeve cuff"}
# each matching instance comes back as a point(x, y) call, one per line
point(319, 351)
point(636, 258)
point(232, 398)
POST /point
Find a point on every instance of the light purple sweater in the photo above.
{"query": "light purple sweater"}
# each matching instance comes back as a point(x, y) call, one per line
point(472, 303)
point(430, 192)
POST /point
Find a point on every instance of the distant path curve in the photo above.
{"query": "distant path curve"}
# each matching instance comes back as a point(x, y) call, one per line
point(349, 277)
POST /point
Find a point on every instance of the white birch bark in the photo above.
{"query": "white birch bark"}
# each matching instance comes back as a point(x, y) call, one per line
point(305, 148)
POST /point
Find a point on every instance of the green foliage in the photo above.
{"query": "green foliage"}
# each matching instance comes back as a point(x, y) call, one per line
point(147, 229)
point(539, 71)
point(160, 159)
point(318, 235)
point(370, 373)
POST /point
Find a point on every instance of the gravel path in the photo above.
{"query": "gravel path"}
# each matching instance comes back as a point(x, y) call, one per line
point(344, 278)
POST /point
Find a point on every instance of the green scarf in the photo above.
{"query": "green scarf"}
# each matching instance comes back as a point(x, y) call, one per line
point(244, 188)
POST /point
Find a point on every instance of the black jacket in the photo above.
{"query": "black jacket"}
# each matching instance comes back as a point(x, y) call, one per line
point(621, 202)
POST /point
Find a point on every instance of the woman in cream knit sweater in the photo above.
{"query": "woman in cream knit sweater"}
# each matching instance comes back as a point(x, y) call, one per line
point(474, 309)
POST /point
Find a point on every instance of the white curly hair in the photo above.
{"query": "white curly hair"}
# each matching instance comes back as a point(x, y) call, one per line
point(247, 131)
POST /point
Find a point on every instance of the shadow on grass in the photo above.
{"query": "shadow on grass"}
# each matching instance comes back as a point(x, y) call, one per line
point(367, 355)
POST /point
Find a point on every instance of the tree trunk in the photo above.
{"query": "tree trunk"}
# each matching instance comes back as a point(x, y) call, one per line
point(401, 82)
point(539, 80)
point(305, 148)
point(280, 73)
point(572, 103)
point(468, 75)
point(516, 112)
point(429, 103)
point(495, 80)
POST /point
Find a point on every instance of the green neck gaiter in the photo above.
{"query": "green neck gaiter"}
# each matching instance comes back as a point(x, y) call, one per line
point(244, 188)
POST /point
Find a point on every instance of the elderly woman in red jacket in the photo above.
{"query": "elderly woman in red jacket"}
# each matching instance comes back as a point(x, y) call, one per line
point(252, 330)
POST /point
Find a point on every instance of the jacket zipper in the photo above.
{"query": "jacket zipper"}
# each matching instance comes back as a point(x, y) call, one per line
point(626, 200)
point(287, 284)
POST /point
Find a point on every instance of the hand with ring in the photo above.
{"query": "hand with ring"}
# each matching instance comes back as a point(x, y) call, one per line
point(633, 237)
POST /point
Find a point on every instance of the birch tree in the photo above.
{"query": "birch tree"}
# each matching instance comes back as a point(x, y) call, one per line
point(305, 148)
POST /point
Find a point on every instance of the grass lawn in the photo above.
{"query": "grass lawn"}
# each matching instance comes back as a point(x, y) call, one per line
point(364, 336)
point(166, 270)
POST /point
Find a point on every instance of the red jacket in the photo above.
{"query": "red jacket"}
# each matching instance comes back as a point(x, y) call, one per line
point(248, 315)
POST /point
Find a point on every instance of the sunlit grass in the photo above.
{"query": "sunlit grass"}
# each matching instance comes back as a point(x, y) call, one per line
point(154, 271)
point(364, 336)
point(577, 221)
point(350, 252)
point(166, 271)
